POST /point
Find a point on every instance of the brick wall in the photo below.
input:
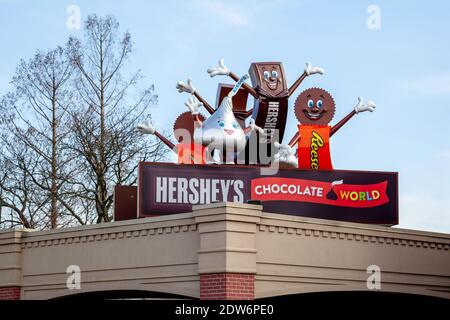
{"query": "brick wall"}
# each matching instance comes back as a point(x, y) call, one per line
point(10, 293)
point(227, 286)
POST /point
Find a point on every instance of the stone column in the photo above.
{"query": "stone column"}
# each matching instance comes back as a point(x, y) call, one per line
point(227, 254)
point(10, 264)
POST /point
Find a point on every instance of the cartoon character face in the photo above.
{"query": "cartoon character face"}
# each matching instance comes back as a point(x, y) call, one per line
point(229, 128)
point(269, 76)
point(314, 106)
point(222, 130)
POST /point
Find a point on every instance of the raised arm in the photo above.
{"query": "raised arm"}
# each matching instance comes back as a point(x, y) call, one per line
point(189, 88)
point(360, 107)
point(193, 106)
point(309, 70)
point(146, 128)
point(221, 69)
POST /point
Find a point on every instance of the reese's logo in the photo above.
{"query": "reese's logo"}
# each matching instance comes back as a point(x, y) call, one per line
point(316, 143)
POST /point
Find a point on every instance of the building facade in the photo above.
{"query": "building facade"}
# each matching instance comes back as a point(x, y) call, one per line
point(222, 251)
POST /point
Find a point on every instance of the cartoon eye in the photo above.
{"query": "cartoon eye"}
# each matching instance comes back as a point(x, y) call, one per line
point(274, 73)
point(319, 103)
point(266, 74)
point(310, 103)
point(221, 123)
point(235, 125)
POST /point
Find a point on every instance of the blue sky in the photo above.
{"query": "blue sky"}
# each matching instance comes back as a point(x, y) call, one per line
point(404, 67)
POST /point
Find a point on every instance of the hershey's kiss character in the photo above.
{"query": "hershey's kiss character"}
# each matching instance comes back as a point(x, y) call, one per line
point(314, 109)
point(271, 95)
point(221, 132)
point(187, 150)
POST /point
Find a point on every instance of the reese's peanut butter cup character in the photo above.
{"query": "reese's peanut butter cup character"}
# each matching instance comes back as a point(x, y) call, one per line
point(314, 109)
point(187, 150)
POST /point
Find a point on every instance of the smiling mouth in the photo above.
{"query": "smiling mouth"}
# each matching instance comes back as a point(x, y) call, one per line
point(313, 116)
point(228, 131)
point(272, 85)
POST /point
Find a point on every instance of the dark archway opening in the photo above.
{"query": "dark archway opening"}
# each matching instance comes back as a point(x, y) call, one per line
point(359, 299)
point(123, 295)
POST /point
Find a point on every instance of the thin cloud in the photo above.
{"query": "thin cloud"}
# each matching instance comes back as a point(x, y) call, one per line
point(230, 14)
point(431, 84)
point(444, 155)
point(239, 13)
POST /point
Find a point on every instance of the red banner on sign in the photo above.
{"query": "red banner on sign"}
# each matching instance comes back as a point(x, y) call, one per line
point(332, 193)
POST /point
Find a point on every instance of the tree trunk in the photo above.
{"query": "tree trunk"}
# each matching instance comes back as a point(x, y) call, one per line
point(53, 190)
point(102, 189)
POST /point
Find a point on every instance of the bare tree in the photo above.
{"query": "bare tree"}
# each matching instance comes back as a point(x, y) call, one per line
point(40, 103)
point(14, 196)
point(20, 199)
point(108, 109)
point(67, 131)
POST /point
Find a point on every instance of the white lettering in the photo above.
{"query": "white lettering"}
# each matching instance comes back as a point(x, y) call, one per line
point(161, 186)
point(214, 189)
point(238, 186)
point(271, 120)
point(182, 190)
point(198, 191)
point(225, 185)
point(172, 189)
point(193, 185)
point(205, 191)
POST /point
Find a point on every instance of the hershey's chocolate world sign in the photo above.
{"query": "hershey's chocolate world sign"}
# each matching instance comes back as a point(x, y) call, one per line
point(356, 196)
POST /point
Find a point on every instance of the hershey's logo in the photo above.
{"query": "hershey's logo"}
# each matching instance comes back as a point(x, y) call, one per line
point(271, 121)
point(198, 190)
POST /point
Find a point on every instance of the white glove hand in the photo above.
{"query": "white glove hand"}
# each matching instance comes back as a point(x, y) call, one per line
point(285, 155)
point(145, 128)
point(220, 70)
point(193, 105)
point(254, 127)
point(312, 70)
point(361, 106)
point(183, 87)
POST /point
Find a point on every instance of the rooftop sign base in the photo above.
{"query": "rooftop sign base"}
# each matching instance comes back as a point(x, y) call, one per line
point(354, 196)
